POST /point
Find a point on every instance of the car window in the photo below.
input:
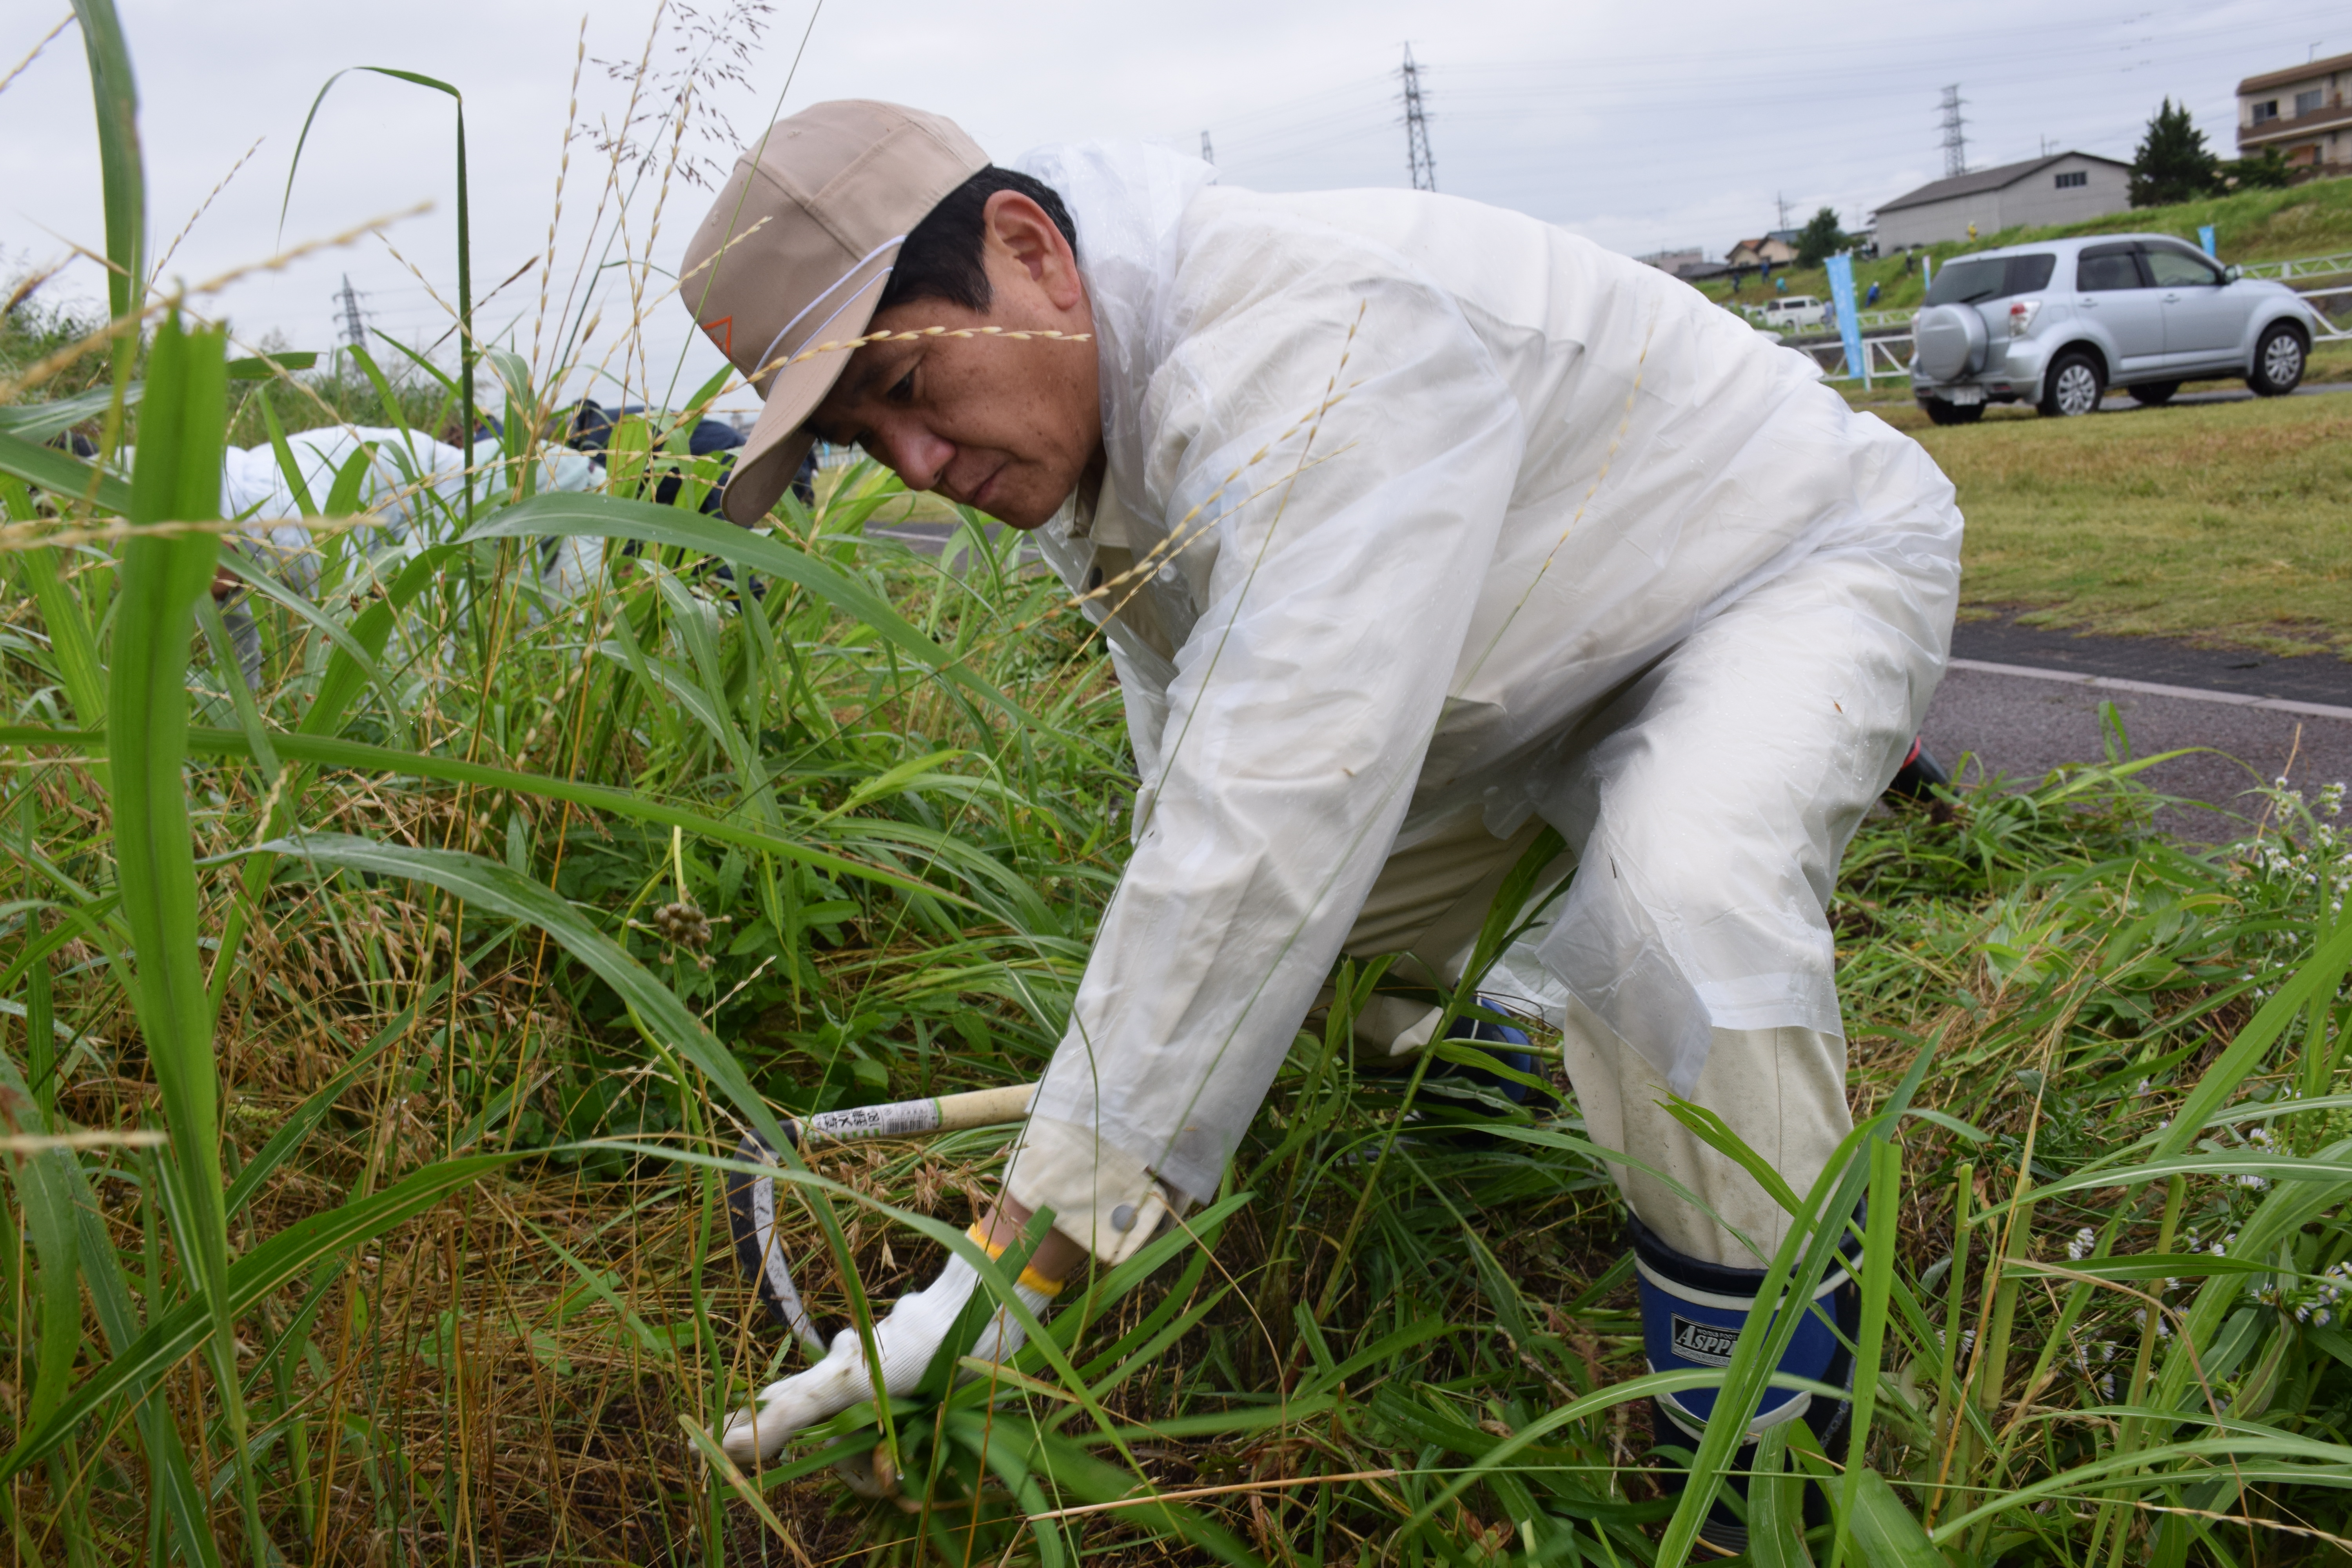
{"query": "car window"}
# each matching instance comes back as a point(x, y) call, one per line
point(2030, 274)
point(2107, 267)
point(1968, 282)
point(2173, 268)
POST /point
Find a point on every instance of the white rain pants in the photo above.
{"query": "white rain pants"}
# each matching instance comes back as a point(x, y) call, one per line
point(1423, 521)
point(1674, 795)
point(401, 468)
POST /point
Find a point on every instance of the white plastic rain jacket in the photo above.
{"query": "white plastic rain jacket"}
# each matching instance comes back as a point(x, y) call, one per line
point(1415, 486)
point(401, 466)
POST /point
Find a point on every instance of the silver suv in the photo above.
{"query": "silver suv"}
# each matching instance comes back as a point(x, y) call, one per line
point(2057, 324)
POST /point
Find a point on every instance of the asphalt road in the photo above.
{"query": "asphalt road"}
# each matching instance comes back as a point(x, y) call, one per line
point(2121, 402)
point(2017, 702)
point(2021, 701)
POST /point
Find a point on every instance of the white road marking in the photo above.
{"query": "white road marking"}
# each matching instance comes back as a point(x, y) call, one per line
point(2151, 689)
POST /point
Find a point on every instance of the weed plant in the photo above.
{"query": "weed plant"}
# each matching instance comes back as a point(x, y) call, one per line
point(378, 1031)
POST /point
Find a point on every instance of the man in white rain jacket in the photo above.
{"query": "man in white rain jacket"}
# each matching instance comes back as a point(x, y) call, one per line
point(1416, 526)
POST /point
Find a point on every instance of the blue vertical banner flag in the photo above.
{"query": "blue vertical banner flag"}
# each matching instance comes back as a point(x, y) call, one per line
point(1841, 270)
point(2205, 239)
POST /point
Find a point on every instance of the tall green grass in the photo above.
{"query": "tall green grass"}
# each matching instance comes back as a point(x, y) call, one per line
point(365, 1124)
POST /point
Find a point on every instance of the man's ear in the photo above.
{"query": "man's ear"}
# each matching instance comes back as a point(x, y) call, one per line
point(1019, 228)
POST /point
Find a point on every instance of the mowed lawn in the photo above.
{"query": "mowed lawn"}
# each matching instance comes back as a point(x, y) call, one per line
point(2224, 521)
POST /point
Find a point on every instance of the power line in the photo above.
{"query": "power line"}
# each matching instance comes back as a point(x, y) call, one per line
point(1423, 166)
point(1299, 129)
point(1956, 137)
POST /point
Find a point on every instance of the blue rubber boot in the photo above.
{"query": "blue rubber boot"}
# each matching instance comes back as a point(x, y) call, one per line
point(1513, 1054)
point(1692, 1313)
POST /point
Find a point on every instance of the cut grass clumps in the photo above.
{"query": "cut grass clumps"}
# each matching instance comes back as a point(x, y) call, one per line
point(379, 1026)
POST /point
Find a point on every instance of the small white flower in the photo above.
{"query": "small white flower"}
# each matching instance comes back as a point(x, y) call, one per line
point(2082, 1246)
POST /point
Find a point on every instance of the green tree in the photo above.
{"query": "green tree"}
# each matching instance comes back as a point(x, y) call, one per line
point(1821, 238)
point(2172, 163)
point(2267, 169)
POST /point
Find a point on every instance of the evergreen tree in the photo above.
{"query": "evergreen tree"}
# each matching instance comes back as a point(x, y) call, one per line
point(2267, 169)
point(2172, 163)
point(1821, 238)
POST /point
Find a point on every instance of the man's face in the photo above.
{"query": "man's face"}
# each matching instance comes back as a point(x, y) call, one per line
point(1003, 425)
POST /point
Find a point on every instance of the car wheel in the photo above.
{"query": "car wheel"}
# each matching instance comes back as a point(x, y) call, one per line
point(2153, 393)
point(2073, 386)
point(2278, 362)
point(1941, 412)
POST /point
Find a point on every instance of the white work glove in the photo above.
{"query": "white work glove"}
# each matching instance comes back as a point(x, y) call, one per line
point(908, 1339)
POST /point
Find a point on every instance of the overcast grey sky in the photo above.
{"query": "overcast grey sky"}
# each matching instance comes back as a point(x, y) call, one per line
point(1677, 122)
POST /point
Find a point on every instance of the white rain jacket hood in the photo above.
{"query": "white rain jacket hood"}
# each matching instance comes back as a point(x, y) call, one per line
point(1402, 489)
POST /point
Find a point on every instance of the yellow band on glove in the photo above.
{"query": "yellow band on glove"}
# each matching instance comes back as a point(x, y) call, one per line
point(1030, 1279)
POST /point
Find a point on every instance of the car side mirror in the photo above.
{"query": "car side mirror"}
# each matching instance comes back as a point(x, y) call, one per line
point(2232, 273)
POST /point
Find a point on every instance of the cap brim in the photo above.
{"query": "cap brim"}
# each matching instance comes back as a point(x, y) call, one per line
point(773, 452)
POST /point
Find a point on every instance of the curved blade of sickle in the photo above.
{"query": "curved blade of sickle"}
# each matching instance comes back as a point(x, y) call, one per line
point(751, 1200)
point(751, 1220)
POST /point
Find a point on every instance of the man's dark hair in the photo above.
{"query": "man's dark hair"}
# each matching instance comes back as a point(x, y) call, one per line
point(941, 257)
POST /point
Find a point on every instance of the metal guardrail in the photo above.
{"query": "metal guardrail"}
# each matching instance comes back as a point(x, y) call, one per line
point(2300, 266)
point(2332, 333)
point(2335, 266)
point(1890, 353)
point(1889, 356)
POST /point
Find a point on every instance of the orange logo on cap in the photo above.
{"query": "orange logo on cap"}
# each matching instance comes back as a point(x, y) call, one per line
point(722, 332)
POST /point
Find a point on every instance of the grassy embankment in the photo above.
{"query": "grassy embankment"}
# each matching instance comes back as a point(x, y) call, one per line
point(2221, 522)
point(2313, 219)
point(424, 1267)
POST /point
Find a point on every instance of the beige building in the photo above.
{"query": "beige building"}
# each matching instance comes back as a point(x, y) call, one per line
point(1771, 248)
point(2066, 187)
point(2306, 112)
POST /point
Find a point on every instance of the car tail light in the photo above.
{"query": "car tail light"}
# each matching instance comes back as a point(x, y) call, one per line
point(2021, 316)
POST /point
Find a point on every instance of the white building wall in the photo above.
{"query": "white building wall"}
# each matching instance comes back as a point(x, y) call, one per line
point(1933, 223)
point(2036, 201)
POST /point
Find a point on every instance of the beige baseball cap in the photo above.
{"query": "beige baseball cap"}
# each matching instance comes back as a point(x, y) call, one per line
point(796, 252)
